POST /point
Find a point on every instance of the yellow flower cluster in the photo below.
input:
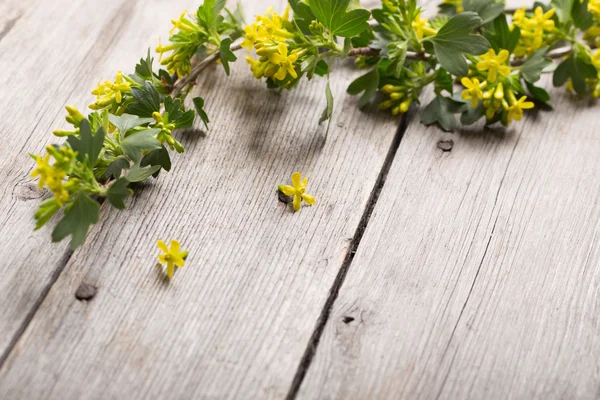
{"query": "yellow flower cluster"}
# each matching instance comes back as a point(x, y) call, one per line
point(422, 28)
point(594, 8)
point(494, 64)
point(53, 176)
point(269, 37)
point(494, 99)
point(108, 92)
point(178, 62)
point(399, 101)
point(534, 29)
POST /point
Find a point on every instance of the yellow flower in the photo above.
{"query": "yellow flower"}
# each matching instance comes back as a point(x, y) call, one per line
point(494, 64)
point(421, 28)
point(516, 107)
point(473, 90)
point(43, 169)
point(596, 60)
point(183, 24)
point(284, 61)
point(298, 190)
point(108, 92)
point(172, 257)
point(594, 7)
point(532, 29)
point(251, 36)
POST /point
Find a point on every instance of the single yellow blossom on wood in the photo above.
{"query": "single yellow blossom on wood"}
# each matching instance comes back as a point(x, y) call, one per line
point(298, 190)
point(515, 107)
point(172, 257)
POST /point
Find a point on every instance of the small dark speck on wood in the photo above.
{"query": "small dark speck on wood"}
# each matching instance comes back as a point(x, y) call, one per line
point(347, 319)
point(283, 198)
point(85, 292)
point(445, 145)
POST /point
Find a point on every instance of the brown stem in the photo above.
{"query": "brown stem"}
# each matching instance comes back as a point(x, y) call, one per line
point(370, 52)
point(189, 79)
point(559, 52)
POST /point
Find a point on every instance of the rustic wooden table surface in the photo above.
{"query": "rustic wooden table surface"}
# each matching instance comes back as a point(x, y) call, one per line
point(419, 274)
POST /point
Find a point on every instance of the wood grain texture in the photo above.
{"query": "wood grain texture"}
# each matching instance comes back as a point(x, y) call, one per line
point(236, 320)
point(49, 57)
point(476, 277)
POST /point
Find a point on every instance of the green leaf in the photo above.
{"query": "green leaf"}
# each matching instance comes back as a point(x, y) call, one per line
point(138, 174)
point(488, 10)
point(537, 93)
point(226, 54)
point(563, 9)
point(321, 68)
point(199, 104)
point(578, 69)
point(47, 209)
point(455, 38)
point(302, 10)
point(79, 216)
point(147, 100)
point(442, 110)
point(534, 65)
point(328, 111)
point(116, 167)
point(144, 68)
point(396, 52)
point(501, 36)
point(366, 84)
point(443, 81)
point(134, 146)
point(127, 121)
point(472, 115)
point(118, 192)
point(582, 18)
point(87, 145)
point(157, 157)
point(333, 15)
point(209, 13)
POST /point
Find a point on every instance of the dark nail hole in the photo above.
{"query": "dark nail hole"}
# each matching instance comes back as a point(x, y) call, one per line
point(347, 319)
point(85, 292)
point(445, 145)
point(283, 198)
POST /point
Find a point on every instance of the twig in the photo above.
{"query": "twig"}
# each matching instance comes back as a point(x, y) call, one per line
point(559, 52)
point(370, 52)
point(189, 79)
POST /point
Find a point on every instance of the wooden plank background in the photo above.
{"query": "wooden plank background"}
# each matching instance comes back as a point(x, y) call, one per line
point(474, 277)
point(236, 320)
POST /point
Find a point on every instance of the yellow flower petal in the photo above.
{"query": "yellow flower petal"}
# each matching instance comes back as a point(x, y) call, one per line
point(308, 198)
point(296, 180)
point(296, 203)
point(163, 246)
point(287, 190)
point(175, 246)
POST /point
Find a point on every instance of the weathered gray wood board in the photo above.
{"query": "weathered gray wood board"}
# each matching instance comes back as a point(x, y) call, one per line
point(236, 320)
point(50, 55)
point(477, 276)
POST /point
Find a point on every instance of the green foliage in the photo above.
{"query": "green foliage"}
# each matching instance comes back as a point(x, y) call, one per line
point(139, 143)
point(79, 216)
point(88, 146)
point(226, 54)
point(118, 192)
point(534, 65)
point(578, 69)
point(334, 15)
point(455, 38)
point(442, 110)
point(366, 84)
point(199, 104)
point(147, 100)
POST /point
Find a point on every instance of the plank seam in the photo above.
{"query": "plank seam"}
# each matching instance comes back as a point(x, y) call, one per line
point(323, 318)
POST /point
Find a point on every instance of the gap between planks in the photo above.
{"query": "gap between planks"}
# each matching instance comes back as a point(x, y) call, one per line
point(313, 343)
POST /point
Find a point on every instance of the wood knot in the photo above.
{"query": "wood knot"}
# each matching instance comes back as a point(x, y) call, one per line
point(85, 291)
point(347, 319)
point(445, 145)
point(27, 191)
